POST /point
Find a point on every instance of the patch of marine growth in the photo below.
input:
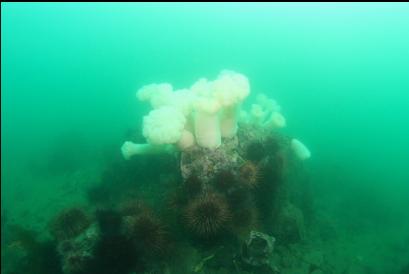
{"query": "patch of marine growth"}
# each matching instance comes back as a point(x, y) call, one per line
point(232, 163)
point(209, 187)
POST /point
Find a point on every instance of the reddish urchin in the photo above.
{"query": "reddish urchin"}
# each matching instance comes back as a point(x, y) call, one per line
point(148, 234)
point(207, 215)
point(250, 174)
point(69, 223)
point(225, 180)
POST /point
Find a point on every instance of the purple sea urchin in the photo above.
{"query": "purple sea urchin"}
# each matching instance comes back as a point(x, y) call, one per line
point(148, 234)
point(207, 215)
point(249, 174)
point(69, 223)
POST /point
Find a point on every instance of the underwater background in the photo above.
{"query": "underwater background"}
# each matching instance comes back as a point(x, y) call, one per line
point(339, 71)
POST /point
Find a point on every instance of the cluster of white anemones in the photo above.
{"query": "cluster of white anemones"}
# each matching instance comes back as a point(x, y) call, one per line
point(202, 114)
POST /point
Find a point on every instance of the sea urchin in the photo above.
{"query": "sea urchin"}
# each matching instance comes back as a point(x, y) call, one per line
point(207, 215)
point(148, 234)
point(249, 173)
point(69, 223)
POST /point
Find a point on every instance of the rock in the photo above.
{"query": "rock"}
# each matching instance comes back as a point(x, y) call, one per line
point(78, 252)
point(258, 249)
point(205, 163)
point(257, 253)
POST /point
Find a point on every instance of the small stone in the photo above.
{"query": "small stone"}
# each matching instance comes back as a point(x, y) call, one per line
point(258, 249)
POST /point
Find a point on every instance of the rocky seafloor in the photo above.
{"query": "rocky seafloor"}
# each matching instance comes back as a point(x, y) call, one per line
point(245, 207)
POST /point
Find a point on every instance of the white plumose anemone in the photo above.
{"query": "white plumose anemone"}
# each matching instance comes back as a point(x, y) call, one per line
point(158, 95)
point(182, 100)
point(230, 89)
point(258, 114)
point(186, 140)
point(228, 121)
point(206, 115)
point(244, 117)
point(267, 103)
point(276, 120)
point(162, 128)
point(203, 114)
point(129, 149)
point(166, 125)
point(300, 150)
point(206, 123)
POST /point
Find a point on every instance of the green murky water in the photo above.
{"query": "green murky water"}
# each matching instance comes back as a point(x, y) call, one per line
point(69, 72)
